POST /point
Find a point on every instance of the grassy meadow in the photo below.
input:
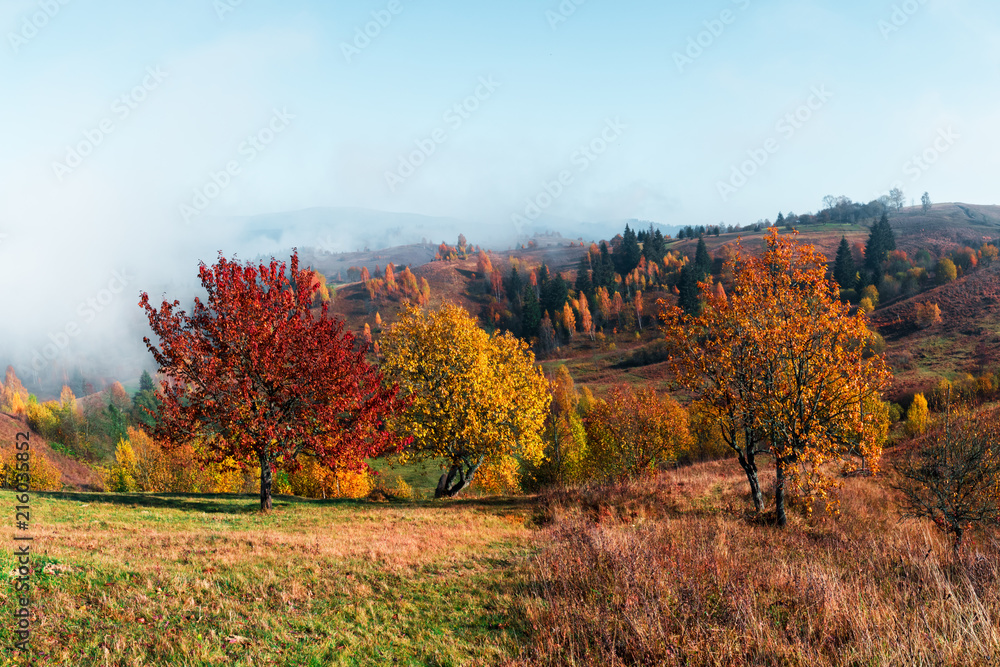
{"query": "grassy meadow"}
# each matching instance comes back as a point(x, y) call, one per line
point(208, 580)
point(672, 570)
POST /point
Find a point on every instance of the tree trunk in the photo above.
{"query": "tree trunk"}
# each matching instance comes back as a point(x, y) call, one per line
point(449, 487)
point(265, 484)
point(749, 466)
point(779, 493)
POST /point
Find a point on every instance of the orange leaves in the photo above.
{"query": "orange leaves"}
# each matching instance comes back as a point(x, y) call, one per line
point(781, 362)
point(398, 286)
point(484, 266)
point(927, 315)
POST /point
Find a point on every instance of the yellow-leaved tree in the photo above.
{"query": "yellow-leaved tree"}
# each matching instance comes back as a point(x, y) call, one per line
point(475, 399)
point(633, 432)
point(784, 368)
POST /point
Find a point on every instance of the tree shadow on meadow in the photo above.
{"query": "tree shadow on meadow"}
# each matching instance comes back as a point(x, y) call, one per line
point(228, 503)
point(209, 503)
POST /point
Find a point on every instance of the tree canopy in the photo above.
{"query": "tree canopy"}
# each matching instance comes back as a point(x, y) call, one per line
point(254, 373)
point(475, 399)
point(782, 366)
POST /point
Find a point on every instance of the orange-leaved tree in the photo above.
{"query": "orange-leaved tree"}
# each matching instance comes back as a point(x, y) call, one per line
point(254, 375)
point(783, 367)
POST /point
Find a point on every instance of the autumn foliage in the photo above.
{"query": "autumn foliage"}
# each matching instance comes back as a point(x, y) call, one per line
point(632, 432)
point(475, 400)
point(255, 376)
point(782, 366)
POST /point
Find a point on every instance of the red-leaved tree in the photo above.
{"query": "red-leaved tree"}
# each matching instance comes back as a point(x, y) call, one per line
point(254, 374)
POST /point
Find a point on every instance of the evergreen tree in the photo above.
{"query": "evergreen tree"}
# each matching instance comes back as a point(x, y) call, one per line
point(881, 241)
point(844, 271)
point(515, 286)
point(543, 276)
point(531, 317)
point(688, 288)
point(583, 283)
point(604, 272)
point(146, 382)
point(554, 295)
point(145, 405)
point(627, 258)
point(659, 245)
point(702, 260)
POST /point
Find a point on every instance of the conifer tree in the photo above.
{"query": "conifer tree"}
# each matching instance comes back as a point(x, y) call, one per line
point(702, 260)
point(881, 241)
point(844, 271)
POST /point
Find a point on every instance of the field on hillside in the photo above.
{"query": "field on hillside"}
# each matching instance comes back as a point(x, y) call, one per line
point(675, 571)
point(672, 571)
point(207, 580)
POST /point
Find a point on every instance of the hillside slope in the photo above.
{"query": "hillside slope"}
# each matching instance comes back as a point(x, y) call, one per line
point(75, 475)
point(966, 341)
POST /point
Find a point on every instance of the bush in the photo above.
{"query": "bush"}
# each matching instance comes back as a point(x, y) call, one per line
point(45, 476)
point(633, 432)
point(954, 475)
point(314, 480)
point(945, 272)
point(916, 416)
point(870, 293)
point(646, 355)
point(927, 315)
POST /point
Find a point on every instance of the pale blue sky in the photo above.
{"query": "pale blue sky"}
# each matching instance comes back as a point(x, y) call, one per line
point(891, 94)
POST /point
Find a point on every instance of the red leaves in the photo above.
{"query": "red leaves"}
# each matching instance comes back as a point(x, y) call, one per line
point(254, 374)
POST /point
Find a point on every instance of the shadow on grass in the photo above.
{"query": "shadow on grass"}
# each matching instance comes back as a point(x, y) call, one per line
point(228, 503)
point(212, 503)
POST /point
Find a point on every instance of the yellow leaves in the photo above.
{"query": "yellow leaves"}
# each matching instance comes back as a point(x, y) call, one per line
point(471, 394)
point(45, 476)
point(633, 431)
point(314, 480)
point(916, 415)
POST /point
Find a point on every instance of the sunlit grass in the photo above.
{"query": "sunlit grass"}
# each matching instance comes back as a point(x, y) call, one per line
point(205, 580)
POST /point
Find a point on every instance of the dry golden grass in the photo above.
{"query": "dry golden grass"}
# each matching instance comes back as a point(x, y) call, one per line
point(673, 571)
point(196, 580)
point(669, 571)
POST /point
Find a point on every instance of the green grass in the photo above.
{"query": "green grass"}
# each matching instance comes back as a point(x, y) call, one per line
point(207, 580)
point(422, 476)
